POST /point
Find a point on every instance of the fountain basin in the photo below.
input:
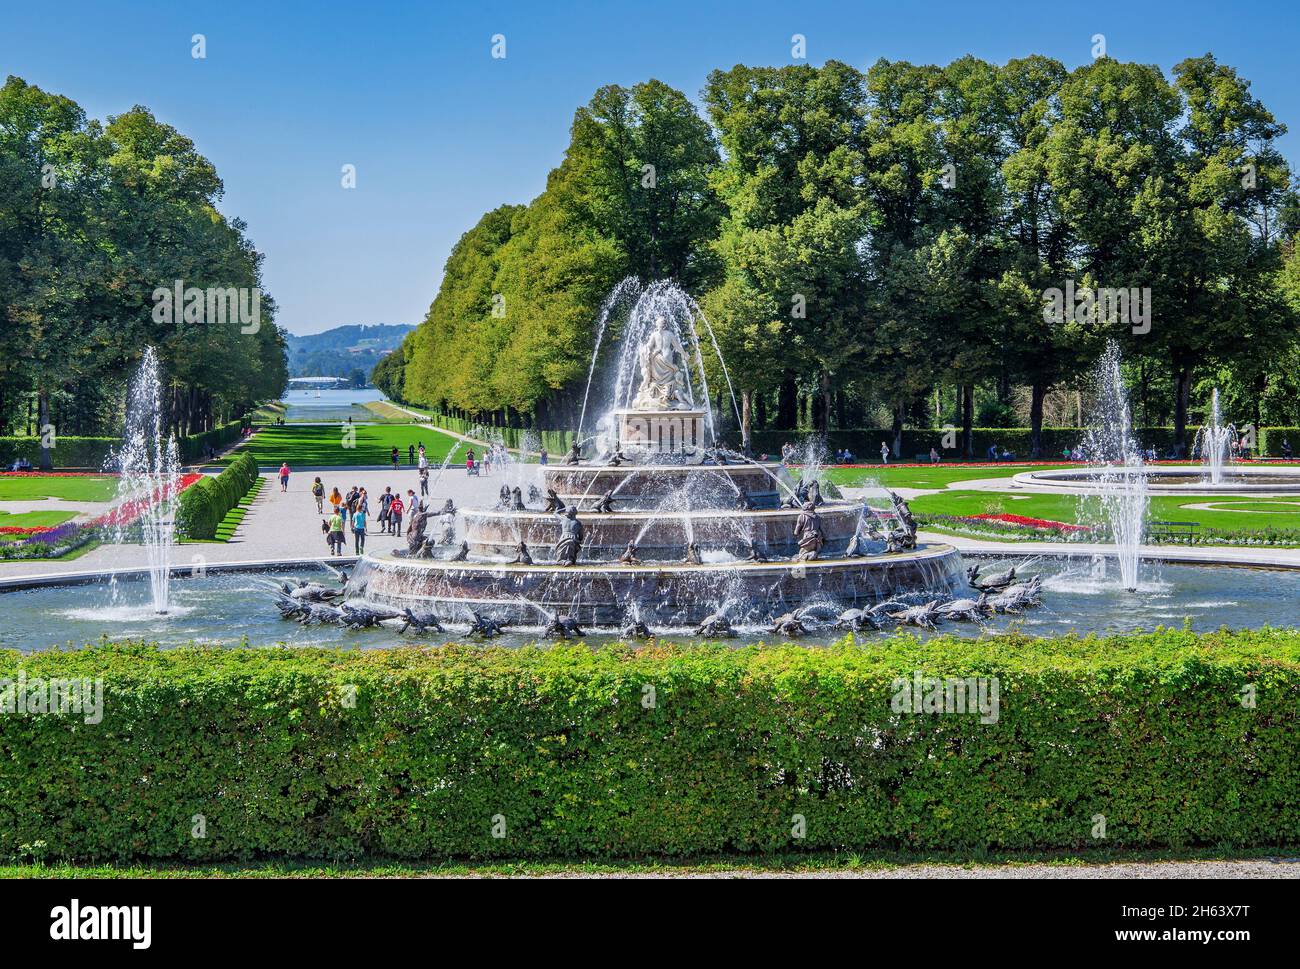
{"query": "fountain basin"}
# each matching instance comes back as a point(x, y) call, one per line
point(665, 594)
point(659, 536)
point(645, 485)
point(1178, 480)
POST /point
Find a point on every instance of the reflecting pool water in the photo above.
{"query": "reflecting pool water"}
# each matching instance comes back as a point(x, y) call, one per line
point(1079, 595)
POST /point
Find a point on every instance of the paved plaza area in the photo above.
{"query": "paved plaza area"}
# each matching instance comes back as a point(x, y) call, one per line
point(283, 526)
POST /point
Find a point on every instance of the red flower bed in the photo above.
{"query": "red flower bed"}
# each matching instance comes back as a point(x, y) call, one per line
point(58, 474)
point(1033, 522)
point(24, 529)
point(129, 511)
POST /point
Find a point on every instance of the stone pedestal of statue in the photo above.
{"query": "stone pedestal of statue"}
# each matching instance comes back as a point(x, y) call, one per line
point(671, 434)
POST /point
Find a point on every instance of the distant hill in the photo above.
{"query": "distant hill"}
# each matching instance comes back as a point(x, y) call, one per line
point(344, 350)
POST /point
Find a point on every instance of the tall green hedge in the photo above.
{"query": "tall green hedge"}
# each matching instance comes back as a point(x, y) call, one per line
point(865, 442)
point(94, 452)
point(194, 447)
point(204, 504)
point(1167, 739)
point(555, 442)
point(1270, 440)
point(68, 452)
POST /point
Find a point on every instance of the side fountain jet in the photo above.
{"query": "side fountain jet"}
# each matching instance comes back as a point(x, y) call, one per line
point(634, 628)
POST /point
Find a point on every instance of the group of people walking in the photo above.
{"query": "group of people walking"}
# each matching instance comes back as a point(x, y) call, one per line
point(352, 511)
point(493, 454)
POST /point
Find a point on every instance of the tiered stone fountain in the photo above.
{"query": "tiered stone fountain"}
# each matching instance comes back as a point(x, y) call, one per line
point(660, 524)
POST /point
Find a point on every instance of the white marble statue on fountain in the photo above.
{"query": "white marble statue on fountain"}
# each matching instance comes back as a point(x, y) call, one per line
point(664, 384)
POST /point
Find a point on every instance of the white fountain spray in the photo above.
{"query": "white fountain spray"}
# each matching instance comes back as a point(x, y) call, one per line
point(664, 298)
point(1214, 443)
point(149, 482)
point(1111, 448)
point(630, 286)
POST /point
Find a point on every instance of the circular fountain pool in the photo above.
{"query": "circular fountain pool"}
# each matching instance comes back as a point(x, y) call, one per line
point(1190, 479)
point(224, 608)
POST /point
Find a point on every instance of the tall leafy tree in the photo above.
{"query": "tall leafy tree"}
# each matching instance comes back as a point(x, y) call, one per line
point(792, 296)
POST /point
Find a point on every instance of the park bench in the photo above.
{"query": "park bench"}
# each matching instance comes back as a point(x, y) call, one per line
point(1165, 529)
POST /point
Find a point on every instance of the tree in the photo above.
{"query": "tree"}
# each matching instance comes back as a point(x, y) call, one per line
point(512, 324)
point(639, 163)
point(96, 218)
point(792, 295)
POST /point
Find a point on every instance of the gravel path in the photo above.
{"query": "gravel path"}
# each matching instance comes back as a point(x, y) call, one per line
point(1255, 868)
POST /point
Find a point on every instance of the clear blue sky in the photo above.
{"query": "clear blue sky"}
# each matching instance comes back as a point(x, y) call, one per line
point(440, 132)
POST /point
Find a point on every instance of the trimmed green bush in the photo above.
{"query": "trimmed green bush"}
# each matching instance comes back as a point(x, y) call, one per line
point(205, 503)
point(865, 442)
point(94, 452)
point(1270, 440)
point(194, 446)
point(555, 442)
point(197, 515)
point(68, 452)
point(665, 750)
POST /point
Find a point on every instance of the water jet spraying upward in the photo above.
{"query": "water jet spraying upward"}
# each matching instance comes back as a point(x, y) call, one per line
point(149, 482)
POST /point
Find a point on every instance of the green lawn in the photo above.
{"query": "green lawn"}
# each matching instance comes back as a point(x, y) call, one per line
point(933, 476)
point(30, 519)
point(269, 413)
point(382, 410)
point(339, 446)
point(1061, 508)
point(25, 487)
point(1279, 514)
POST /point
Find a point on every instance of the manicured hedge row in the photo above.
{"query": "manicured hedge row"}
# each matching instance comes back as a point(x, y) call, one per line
point(555, 442)
point(865, 442)
point(68, 452)
point(94, 452)
point(1270, 440)
point(570, 752)
point(194, 447)
point(204, 504)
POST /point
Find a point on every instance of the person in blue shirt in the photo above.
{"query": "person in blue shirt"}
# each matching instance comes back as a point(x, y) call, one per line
point(359, 530)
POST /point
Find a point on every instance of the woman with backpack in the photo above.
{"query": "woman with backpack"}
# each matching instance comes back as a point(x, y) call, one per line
point(318, 492)
point(334, 533)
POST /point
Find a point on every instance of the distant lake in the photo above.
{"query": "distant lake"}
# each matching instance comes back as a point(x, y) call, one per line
point(328, 406)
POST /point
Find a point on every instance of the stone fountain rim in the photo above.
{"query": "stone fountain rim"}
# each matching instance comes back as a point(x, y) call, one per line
point(829, 507)
point(683, 467)
point(923, 552)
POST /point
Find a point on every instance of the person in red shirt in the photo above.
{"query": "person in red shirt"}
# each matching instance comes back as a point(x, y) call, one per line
point(395, 515)
point(284, 477)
